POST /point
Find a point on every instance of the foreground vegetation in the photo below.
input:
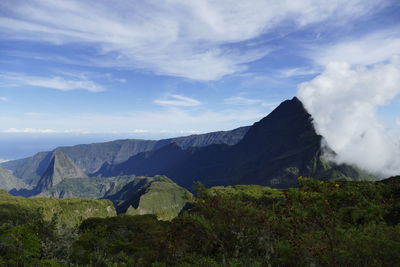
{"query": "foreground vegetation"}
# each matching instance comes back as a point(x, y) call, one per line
point(321, 223)
point(69, 211)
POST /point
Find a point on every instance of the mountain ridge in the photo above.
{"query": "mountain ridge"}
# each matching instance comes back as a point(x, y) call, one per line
point(91, 157)
point(274, 152)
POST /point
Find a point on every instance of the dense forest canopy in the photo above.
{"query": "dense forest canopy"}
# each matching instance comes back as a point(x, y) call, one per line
point(321, 223)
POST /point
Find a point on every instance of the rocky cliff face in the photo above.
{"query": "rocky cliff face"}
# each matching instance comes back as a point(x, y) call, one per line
point(274, 152)
point(61, 167)
point(90, 157)
point(94, 188)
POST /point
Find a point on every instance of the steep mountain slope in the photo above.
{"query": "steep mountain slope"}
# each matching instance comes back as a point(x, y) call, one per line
point(151, 195)
point(9, 181)
point(29, 169)
point(132, 195)
point(61, 167)
point(157, 161)
point(274, 152)
point(199, 140)
point(88, 187)
point(92, 156)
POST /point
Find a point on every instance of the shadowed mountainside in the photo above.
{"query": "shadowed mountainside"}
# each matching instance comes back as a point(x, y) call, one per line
point(274, 152)
point(90, 157)
point(130, 194)
point(157, 195)
point(88, 187)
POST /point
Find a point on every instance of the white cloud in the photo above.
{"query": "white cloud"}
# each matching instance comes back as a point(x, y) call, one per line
point(3, 98)
point(191, 39)
point(54, 82)
point(370, 49)
point(178, 101)
point(4, 160)
point(176, 121)
point(398, 121)
point(297, 72)
point(240, 100)
point(344, 98)
point(343, 101)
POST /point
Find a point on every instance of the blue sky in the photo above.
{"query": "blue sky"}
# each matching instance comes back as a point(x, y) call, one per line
point(85, 71)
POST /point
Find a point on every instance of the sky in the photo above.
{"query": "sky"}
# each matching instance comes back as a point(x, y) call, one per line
point(88, 71)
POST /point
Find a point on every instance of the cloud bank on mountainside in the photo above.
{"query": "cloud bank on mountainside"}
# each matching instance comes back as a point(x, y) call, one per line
point(343, 101)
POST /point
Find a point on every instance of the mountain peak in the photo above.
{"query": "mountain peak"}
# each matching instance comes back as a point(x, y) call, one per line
point(286, 122)
point(60, 167)
point(288, 107)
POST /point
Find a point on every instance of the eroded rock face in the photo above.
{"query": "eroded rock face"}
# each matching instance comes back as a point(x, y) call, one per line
point(91, 157)
point(61, 167)
point(275, 152)
point(95, 187)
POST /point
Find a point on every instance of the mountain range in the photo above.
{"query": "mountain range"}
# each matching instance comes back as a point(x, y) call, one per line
point(90, 157)
point(273, 152)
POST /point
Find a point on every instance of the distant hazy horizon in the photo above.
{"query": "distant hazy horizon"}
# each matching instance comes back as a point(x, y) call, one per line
point(17, 146)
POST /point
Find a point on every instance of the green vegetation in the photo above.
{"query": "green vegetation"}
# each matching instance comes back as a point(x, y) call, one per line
point(70, 211)
point(321, 223)
point(134, 195)
point(156, 195)
point(163, 198)
point(251, 191)
point(123, 240)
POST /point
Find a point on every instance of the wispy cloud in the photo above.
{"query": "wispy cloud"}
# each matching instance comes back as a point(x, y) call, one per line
point(166, 122)
point(178, 101)
point(372, 48)
point(54, 82)
point(3, 98)
point(293, 72)
point(191, 39)
point(398, 121)
point(240, 100)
